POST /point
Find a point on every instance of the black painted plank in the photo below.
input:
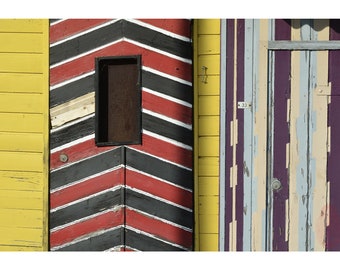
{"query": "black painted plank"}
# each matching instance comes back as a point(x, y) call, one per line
point(100, 242)
point(86, 168)
point(158, 208)
point(86, 208)
point(143, 242)
point(159, 168)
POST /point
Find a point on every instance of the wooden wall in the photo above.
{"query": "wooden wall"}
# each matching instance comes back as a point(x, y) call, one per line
point(24, 133)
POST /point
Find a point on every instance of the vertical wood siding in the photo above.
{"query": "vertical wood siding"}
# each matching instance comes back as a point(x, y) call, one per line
point(24, 126)
point(121, 198)
point(207, 55)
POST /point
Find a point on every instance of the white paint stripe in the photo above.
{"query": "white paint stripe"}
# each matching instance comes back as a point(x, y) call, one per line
point(168, 119)
point(157, 178)
point(87, 236)
point(86, 198)
point(72, 123)
point(160, 30)
point(160, 219)
point(57, 22)
point(158, 198)
point(174, 142)
point(162, 159)
point(161, 95)
point(75, 142)
point(72, 80)
point(154, 237)
point(162, 74)
point(83, 33)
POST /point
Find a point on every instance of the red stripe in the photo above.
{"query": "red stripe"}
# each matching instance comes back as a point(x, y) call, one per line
point(166, 107)
point(105, 221)
point(86, 188)
point(71, 27)
point(158, 228)
point(150, 59)
point(77, 152)
point(158, 188)
point(178, 26)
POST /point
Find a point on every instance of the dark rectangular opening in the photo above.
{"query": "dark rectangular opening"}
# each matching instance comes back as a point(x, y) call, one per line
point(118, 100)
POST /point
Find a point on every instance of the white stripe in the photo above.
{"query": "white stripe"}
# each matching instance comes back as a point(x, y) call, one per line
point(154, 237)
point(83, 33)
point(57, 22)
point(160, 219)
point(72, 80)
point(72, 143)
point(162, 138)
point(157, 178)
point(185, 60)
point(72, 123)
point(168, 119)
point(166, 75)
point(161, 30)
point(159, 158)
point(178, 101)
point(86, 198)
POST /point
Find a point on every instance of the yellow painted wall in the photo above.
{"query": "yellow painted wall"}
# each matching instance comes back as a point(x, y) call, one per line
point(24, 129)
point(206, 145)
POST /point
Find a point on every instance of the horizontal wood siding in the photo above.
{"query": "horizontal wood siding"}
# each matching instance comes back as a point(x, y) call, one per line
point(24, 134)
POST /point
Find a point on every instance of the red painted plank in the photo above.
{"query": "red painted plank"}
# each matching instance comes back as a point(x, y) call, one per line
point(158, 228)
point(101, 222)
point(166, 107)
point(68, 28)
point(178, 26)
point(150, 59)
point(86, 188)
point(158, 188)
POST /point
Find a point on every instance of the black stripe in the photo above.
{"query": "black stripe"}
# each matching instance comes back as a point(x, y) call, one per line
point(86, 168)
point(158, 208)
point(71, 91)
point(167, 86)
point(150, 80)
point(145, 243)
point(100, 242)
point(159, 168)
point(115, 31)
point(167, 129)
point(71, 133)
point(86, 208)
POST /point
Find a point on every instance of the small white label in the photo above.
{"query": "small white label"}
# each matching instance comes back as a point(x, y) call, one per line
point(243, 105)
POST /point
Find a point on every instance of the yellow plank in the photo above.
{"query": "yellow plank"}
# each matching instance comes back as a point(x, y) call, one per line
point(208, 146)
point(209, 44)
point(21, 25)
point(21, 161)
point(208, 166)
point(19, 122)
point(30, 63)
point(21, 236)
point(14, 199)
point(212, 64)
point(20, 248)
point(19, 102)
point(209, 105)
point(208, 125)
point(212, 87)
point(208, 242)
point(21, 142)
point(21, 42)
point(209, 26)
point(20, 218)
point(208, 185)
point(208, 205)
point(14, 180)
point(21, 83)
point(208, 223)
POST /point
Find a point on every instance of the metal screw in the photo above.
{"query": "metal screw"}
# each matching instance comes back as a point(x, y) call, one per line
point(276, 184)
point(63, 158)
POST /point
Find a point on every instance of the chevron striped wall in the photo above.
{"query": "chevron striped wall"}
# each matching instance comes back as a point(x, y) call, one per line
point(136, 197)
